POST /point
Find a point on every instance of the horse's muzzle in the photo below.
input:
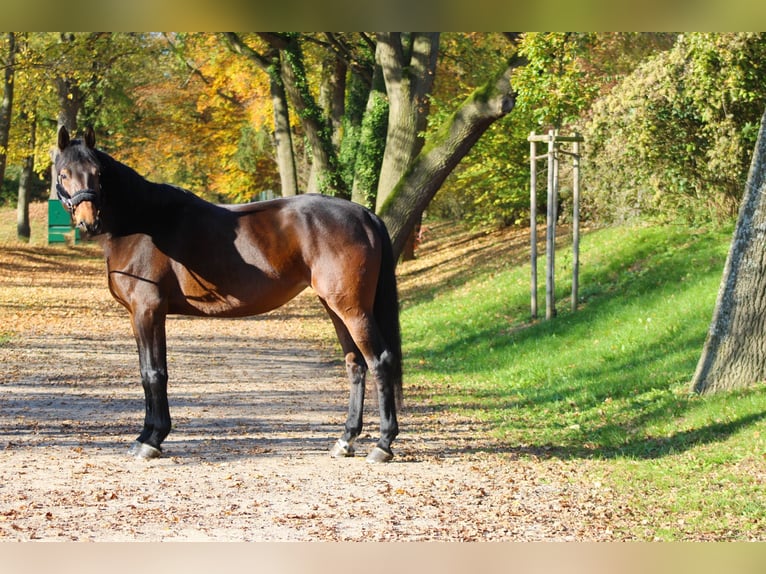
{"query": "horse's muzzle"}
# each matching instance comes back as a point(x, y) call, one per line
point(87, 218)
point(90, 228)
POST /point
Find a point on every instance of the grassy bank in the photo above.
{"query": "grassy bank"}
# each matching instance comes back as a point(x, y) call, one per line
point(608, 385)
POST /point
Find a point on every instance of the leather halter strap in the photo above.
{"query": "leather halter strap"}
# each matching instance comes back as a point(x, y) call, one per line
point(72, 201)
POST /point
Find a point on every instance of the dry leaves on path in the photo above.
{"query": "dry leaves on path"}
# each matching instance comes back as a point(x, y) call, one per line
point(256, 405)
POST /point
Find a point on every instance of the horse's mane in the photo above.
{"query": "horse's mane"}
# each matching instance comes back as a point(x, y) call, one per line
point(118, 178)
point(133, 204)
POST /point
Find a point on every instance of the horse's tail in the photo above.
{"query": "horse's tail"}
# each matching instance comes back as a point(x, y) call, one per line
point(386, 309)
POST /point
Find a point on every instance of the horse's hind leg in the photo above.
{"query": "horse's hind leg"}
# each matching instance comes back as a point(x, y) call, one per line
point(356, 369)
point(382, 370)
point(378, 357)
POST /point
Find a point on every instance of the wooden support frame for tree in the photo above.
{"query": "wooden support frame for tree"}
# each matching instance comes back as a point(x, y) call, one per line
point(552, 156)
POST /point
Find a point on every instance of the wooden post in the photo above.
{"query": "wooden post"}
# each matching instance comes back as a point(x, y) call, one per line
point(550, 303)
point(575, 222)
point(533, 221)
point(554, 141)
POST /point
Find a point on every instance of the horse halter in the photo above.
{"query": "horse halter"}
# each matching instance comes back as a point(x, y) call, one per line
point(72, 201)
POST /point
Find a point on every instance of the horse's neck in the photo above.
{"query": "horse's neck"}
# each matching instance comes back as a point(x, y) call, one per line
point(135, 205)
point(129, 199)
point(130, 190)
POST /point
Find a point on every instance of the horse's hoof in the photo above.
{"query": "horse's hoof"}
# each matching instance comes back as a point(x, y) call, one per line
point(379, 455)
point(147, 452)
point(134, 448)
point(342, 449)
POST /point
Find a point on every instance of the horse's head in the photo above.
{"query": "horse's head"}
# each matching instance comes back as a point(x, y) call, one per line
point(78, 183)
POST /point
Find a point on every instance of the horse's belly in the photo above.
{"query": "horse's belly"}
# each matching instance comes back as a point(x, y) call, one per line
point(214, 303)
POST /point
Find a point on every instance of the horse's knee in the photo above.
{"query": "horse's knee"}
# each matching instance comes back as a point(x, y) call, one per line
point(155, 380)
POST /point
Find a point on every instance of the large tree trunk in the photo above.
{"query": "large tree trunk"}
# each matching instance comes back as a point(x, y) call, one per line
point(332, 96)
point(372, 142)
point(6, 106)
point(23, 229)
point(409, 64)
point(406, 203)
point(734, 354)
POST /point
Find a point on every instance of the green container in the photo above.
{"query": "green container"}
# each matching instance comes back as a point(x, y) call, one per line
point(60, 223)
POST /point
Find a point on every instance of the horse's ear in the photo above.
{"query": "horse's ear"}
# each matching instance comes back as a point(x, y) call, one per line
point(89, 137)
point(63, 138)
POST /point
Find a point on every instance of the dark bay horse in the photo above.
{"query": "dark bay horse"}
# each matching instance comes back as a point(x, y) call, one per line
point(169, 252)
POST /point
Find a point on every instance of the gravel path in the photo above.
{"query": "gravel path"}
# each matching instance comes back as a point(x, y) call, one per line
point(256, 405)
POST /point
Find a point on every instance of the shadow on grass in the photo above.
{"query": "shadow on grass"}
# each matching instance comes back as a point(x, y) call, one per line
point(565, 394)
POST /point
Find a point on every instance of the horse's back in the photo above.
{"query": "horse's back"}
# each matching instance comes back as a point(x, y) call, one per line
point(311, 223)
point(334, 243)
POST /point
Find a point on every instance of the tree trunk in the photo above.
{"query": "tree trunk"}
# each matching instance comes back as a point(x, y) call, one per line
point(332, 96)
point(283, 141)
point(23, 229)
point(406, 203)
point(409, 64)
point(734, 354)
point(372, 143)
point(6, 106)
point(325, 175)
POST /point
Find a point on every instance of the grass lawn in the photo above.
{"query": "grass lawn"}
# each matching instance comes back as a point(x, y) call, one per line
point(605, 388)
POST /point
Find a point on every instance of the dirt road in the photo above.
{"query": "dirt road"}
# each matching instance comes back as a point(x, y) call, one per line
point(256, 405)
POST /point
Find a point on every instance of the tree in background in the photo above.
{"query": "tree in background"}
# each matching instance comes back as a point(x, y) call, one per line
point(202, 123)
point(412, 167)
point(672, 140)
point(269, 60)
point(565, 73)
point(8, 61)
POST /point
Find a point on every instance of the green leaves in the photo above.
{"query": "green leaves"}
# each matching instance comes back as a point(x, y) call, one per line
point(553, 86)
point(672, 140)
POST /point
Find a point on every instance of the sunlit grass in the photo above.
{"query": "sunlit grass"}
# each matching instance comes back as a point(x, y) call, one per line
point(608, 383)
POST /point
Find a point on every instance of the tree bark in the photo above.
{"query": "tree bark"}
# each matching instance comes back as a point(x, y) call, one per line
point(23, 228)
point(405, 204)
point(6, 106)
point(372, 142)
point(734, 354)
point(408, 63)
point(332, 96)
point(283, 138)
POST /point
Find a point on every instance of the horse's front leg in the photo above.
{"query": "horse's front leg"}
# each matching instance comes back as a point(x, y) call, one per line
point(149, 330)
